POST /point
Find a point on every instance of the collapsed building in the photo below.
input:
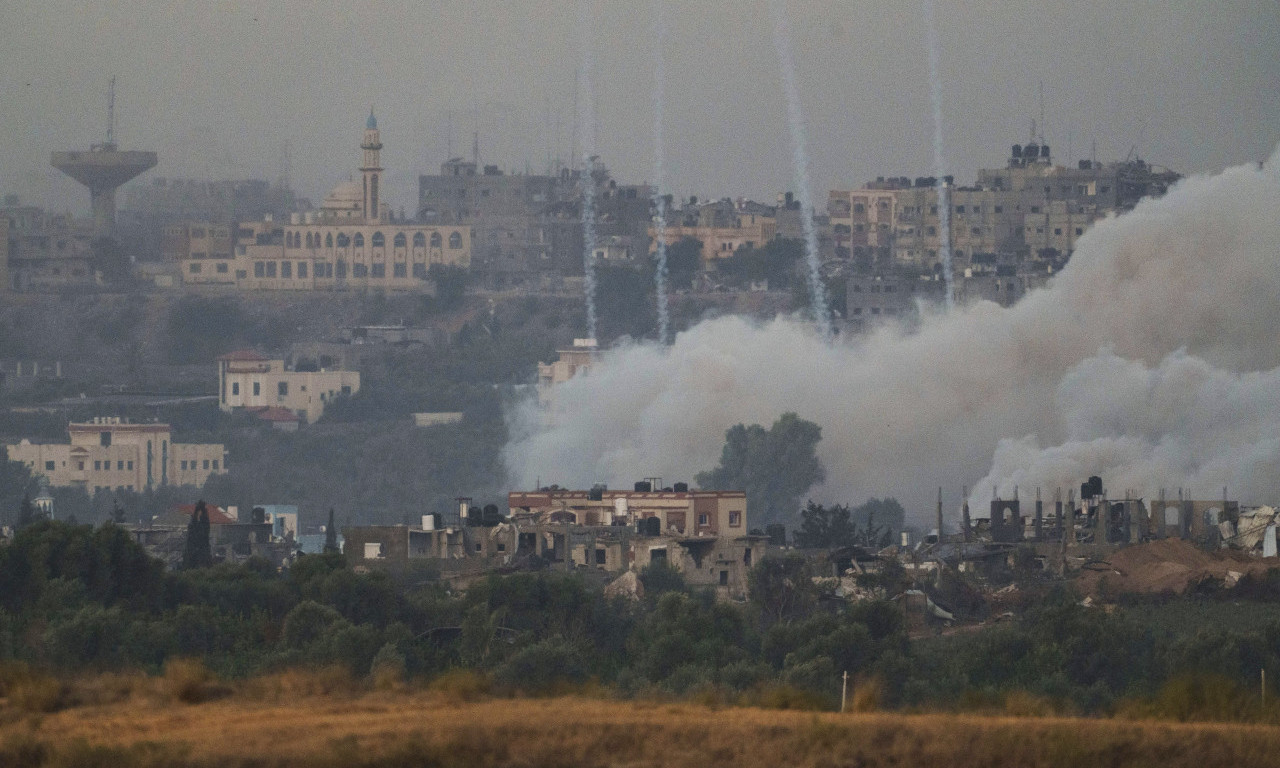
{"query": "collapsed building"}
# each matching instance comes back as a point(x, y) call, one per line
point(1065, 535)
point(701, 534)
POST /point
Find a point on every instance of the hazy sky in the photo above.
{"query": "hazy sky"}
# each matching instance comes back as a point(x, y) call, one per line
point(217, 88)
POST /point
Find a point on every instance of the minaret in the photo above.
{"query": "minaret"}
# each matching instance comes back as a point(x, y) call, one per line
point(371, 169)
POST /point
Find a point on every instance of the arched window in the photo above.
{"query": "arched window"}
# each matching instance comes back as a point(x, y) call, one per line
point(378, 240)
point(359, 240)
point(436, 240)
point(343, 241)
point(455, 240)
point(419, 240)
point(400, 241)
point(328, 240)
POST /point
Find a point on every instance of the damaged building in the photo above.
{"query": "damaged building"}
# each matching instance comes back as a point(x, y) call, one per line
point(701, 534)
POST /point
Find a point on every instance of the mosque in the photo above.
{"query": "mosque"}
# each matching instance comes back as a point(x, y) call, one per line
point(352, 242)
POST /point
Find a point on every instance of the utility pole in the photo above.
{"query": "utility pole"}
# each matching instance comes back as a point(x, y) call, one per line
point(844, 689)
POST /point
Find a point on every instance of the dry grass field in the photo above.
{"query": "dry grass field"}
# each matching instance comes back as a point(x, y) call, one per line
point(298, 722)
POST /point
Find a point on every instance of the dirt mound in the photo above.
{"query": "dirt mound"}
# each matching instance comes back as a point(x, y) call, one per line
point(1168, 565)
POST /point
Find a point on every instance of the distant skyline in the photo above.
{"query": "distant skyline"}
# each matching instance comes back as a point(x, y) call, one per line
point(217, 89)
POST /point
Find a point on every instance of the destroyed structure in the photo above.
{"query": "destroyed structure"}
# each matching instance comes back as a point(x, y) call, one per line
point(1067, 535)
point(701, 534)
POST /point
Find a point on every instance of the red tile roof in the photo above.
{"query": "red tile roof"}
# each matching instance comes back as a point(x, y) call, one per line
point(216, 514)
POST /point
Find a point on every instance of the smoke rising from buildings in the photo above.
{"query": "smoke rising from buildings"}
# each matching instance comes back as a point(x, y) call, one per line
point(587, 125)
point(800, 164)
point(659, 170)
point(1150, 359)
point(939, 163)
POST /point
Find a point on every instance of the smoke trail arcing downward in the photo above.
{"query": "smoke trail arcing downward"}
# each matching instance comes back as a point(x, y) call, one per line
point(939, 165)
point(659, 170)
point(800, 163)
point(587, 124)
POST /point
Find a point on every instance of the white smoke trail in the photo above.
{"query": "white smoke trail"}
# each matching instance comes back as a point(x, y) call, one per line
point(587, 124)
point(659, 170)
point(1149, 359)
point(939, 164)
point(800, 165)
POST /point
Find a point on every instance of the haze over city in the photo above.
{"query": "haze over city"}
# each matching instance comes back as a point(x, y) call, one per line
point(662, 383)
point(217, 89)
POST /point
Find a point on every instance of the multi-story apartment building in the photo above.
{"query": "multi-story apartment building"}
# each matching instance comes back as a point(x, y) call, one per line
point(1029, 210)
point(45, 250)
point(205, 251)
point(249, 380)
point(112, 454)
point(152, 207)
point(351, 242)
point(722, 227)
point(862, 222)
point(527, 225)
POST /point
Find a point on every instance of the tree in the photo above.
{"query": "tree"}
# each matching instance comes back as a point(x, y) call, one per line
point(828, 527)
point(870, 525)
point(198, 552)
point(15, 479)
point(330, 535)
point(27, 513)
point(782, 587)
point(684, 261)
point(451, 285)
point(775, 467)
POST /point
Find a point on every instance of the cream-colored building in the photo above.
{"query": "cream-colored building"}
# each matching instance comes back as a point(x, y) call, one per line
point(722, 227)
point(112, 454)
point(861, 219)
point(249, 380)
point(679, 511)
point(570, 363)
point(352, 241)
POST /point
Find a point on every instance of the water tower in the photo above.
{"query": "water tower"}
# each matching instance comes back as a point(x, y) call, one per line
point(103, 169)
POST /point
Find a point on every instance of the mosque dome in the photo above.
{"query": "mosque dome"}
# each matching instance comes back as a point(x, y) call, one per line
point(345, 197)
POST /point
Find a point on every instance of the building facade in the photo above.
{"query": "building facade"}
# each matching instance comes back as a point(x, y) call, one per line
point(112, 454)
point(351, 242)
point(249, 380)
point(723, 227)
point(44, 251)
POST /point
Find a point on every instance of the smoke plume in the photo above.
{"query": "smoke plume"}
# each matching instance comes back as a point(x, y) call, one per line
point(800, 165)
point(1151, 359)
point(939, 163)
point(586, 118)
point(659, 169)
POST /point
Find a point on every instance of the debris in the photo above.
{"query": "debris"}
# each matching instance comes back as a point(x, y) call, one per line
point(1168, 565)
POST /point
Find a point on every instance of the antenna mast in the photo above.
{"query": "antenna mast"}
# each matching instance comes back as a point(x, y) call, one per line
point(111, 112)
point(1042, 112)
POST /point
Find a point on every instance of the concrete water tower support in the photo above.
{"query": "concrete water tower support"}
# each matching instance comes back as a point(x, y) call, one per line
point(103, 169)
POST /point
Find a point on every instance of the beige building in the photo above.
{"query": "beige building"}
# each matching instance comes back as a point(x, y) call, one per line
point(678, 511)
point(571, 362)
point(722, 227)
point(352, 241)
point(43, 250)
point(112, 454)
point(862, 221)
point(249, 380)
point(203, 250)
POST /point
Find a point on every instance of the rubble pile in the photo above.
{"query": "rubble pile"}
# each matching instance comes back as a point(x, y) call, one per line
point(1168, 565)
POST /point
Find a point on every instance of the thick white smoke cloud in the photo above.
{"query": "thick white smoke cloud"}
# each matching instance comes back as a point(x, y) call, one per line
point(1150, 359)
